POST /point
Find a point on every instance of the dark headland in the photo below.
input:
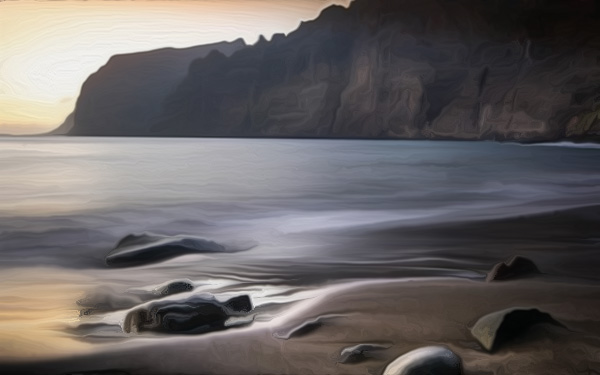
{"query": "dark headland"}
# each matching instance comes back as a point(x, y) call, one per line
point(522, 71)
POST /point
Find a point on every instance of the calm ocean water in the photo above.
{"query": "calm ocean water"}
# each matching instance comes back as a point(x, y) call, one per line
point(319, 211)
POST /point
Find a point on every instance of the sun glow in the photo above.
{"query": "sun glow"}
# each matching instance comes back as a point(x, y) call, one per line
point(49, 48)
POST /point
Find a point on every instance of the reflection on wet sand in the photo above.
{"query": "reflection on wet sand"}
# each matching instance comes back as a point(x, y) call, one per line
point(35, 306)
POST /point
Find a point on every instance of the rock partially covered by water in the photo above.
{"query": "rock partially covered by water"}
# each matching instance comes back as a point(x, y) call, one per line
point(174, 287)
point(105, 299)
point(494, 329)
point(145, 248)
point(195, 315)
point(428, 360)
point(360, 352)
point(517, 266)
point(304, 328)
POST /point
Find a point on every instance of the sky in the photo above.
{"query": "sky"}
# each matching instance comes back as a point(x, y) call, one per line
point(48, 48)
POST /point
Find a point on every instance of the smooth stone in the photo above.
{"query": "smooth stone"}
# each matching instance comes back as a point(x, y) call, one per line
point(429, 360)
point(146, 248)
point(194, 315)
point(516, 266)
point(493, 330)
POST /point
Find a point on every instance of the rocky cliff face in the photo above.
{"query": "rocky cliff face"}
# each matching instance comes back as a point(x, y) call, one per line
point(525, 70)
point(125, 96)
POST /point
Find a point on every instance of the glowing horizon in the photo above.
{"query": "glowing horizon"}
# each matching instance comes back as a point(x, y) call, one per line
point(49, 48)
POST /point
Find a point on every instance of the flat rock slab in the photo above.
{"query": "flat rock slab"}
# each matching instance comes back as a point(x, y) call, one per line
point(429, 360)
point(146, 248)
point(493, 330)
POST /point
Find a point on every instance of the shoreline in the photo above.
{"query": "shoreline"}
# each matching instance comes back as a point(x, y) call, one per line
point(405, 314)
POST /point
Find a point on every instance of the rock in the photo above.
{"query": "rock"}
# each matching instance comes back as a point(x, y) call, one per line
point(135, 250)
point(304, 328)
point(124, 96)
point(397, 69)
point(195, 315)
point(360, 352)
point(239, 304)
point(430, 360)
point(174, 287)
point(494, 329)
point(515, 267)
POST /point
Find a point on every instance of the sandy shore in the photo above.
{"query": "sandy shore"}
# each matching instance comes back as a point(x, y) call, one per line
point(404, 314)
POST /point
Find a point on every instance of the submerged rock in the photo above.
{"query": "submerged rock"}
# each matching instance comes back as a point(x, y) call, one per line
point(429, 360)
point(135, 250)
point(360, 352)
point(517, 266)
point(195, 315)
point(495, 329)
point(105, 299)
point(99, 330)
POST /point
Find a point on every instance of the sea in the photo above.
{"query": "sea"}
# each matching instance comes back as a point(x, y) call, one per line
point(317, 213)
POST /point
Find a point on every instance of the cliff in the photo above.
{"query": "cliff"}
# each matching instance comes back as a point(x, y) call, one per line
point(525, 70)
point(65, 127)
point(125, 96)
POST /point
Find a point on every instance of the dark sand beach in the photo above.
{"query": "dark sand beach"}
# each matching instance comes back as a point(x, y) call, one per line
point(317, 267)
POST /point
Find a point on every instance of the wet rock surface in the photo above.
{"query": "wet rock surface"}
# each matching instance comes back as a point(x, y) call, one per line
point(146, 248)
point(195, 315)
point(174, 287)
point(429, 360)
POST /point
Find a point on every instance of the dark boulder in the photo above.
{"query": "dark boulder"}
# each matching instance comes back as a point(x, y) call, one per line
point(495, 329)
point(195, 315)
point(516, 266)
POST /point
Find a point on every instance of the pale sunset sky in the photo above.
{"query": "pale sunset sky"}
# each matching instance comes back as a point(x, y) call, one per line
point(48, 48)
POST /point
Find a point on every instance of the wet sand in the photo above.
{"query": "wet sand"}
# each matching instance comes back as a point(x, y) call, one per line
point(404, 314)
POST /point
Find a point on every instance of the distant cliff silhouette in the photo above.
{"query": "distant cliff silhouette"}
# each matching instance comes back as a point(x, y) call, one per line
point(525, 70)
point(125, 96)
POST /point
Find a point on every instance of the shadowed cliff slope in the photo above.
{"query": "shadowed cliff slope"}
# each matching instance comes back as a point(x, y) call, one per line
point(525, 70)
point(125, 96)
